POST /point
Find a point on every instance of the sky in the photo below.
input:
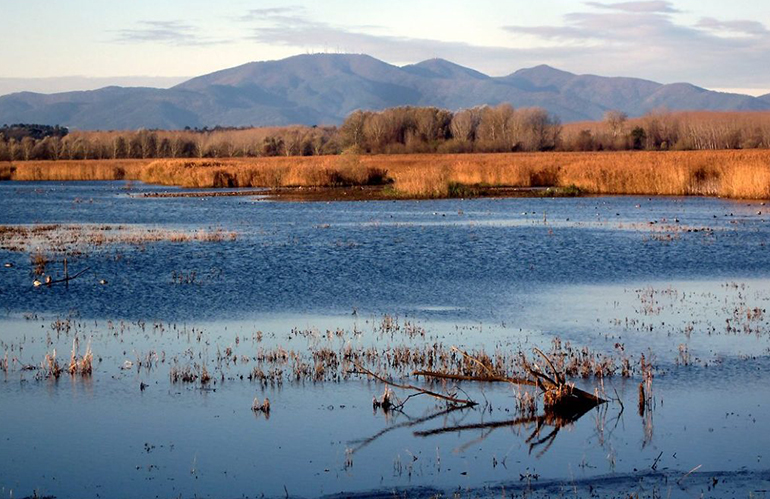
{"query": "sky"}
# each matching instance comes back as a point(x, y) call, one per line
point(55, 45)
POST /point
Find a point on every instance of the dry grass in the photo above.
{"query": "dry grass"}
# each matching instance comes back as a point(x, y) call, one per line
point(50, 367)
point(120, 169)
point(324, 171)
point(81, 365)
point(733, 174)
point(6, 171)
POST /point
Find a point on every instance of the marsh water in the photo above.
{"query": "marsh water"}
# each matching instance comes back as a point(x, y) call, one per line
point(683, 281)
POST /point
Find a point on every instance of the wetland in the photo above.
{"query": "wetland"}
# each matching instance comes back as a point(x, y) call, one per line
point(244, 346)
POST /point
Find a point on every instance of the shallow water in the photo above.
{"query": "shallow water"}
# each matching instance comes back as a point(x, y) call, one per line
point(679, 280)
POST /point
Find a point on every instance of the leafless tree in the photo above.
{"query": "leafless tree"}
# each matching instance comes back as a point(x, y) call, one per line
point(616, 121)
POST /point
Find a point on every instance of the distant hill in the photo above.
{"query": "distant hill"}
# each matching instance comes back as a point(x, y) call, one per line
point(325, 88)
point(71, 83)
point(765, 98)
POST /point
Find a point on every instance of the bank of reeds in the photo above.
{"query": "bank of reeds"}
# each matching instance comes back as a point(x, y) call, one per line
point(6, 171)
point(732, 174)
point(119, 169)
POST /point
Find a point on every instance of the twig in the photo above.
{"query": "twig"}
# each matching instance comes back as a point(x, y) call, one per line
point(538, 374)
point(655, 464)
point(689, 473)
point(620, 401)
point(559, 378)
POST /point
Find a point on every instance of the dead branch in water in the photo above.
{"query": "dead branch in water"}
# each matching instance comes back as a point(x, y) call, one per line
point(485, 379)
point(68, 278)
point(422, 391)
point(559, 376)
point(557, 393)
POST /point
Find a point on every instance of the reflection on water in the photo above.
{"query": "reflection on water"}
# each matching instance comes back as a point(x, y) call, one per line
point(550, 419)
point(281, 310)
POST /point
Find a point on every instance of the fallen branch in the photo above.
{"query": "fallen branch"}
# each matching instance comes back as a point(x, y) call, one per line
point(688, 474)
point(563, 395)
point(559, 377)
point(440, 396)
point(485, 379)
point(69, 278)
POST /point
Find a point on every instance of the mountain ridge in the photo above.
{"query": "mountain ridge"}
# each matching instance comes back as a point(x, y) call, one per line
point(318, 89)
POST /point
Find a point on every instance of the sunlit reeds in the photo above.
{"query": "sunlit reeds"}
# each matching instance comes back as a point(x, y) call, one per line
point(81, 365)
point(733, 174)
point(128, 169)
point(50, 367)
point(6, 171)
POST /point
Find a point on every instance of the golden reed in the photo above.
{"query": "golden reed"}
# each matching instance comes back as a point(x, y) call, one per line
point(733, 174)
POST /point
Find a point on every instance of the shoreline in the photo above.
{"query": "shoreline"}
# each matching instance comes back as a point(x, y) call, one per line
point(362, 193)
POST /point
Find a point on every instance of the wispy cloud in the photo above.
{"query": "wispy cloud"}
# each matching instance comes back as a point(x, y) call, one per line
point(295, 27)
point(647, 6)
point(650, 39)
point(744, 27)
point(166, 32)
point(288, 12)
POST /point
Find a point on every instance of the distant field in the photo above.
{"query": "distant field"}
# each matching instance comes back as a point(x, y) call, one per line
point(733, 174)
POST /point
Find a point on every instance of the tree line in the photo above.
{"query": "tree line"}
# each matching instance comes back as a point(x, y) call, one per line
point(403, 130)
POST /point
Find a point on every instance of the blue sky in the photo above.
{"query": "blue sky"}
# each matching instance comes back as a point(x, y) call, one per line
point(716, 44)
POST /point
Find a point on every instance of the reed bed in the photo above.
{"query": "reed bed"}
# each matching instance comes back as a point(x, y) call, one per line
point(731, 174)
point(734, 173)
point(6, 171)
point(85, 170)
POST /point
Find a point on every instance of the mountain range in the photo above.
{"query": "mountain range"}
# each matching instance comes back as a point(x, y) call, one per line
point(319, 89)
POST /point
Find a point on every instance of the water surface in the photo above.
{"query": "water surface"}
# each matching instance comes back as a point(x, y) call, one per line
point(676, 279)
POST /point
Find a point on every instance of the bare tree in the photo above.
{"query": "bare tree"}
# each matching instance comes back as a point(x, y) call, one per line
point(352, 129)
point(375, 130)
point(616, 120)
point(465, 124)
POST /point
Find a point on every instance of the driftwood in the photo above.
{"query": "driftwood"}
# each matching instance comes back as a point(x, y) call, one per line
point(66, 279)
point(486, 379)
point(420, 391)
point(564, 403)
point(69, 277)
point(558, 395)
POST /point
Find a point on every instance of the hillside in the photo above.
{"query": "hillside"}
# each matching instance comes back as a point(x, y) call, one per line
point(325, 88)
